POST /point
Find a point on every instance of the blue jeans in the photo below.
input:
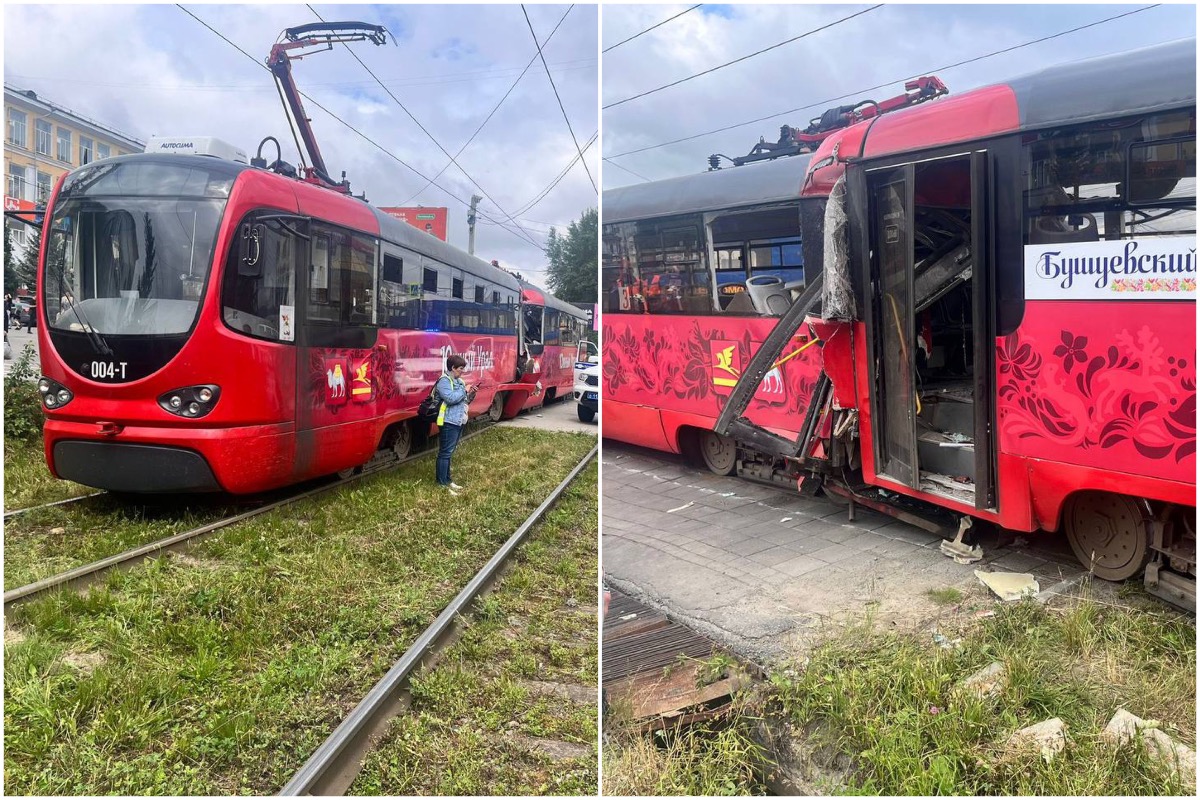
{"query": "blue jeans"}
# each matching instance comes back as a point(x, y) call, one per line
point(447, 441)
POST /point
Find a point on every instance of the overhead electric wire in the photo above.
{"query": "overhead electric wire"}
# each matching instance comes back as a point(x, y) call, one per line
point(860, 92)
point(362, 135)
point(543, 193)
point(627, 169)
point(559, 99)
point(743, 58)
point(416, 80)
point(493, 111)
point(425, 131)
point(652, 27)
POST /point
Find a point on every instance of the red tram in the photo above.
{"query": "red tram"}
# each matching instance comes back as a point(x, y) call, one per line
point(551, 331)
point(998, 318)
point(205, 325)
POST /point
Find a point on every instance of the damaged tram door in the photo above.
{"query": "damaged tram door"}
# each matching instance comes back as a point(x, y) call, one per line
point(924, 260)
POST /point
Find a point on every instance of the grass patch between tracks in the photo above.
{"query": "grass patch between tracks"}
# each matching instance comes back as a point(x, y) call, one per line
point(511, 707)
point(888, 703)
point(221, 672)
point(27, 479)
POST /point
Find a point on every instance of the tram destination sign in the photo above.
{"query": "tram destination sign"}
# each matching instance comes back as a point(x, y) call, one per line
point(1158, 268)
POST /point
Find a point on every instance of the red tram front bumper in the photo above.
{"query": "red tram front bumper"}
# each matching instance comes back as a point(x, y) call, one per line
point(149, 459)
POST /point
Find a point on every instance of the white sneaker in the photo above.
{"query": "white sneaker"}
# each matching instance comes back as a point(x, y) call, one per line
point(450, 489)
point(454, 485)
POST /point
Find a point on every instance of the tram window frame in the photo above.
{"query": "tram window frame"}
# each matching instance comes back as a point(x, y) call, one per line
point(399, 307)
point(456, 288)
point(429, 280)
point(480, 291)
point(1052, 214)
point(344, 278)
point(239, 290)
point(642, 252)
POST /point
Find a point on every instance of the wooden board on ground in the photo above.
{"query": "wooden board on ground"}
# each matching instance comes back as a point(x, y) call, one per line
point(652, 664)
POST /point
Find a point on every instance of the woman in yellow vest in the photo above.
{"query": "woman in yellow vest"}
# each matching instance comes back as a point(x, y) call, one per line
point(452, 416)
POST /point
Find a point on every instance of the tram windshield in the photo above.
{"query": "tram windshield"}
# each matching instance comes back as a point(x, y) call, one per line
point(131, 246)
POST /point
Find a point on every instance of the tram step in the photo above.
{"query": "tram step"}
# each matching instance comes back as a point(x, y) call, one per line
point(937, 452)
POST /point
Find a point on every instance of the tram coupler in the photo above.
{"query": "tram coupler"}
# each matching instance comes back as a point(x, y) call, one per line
point(1172, 587)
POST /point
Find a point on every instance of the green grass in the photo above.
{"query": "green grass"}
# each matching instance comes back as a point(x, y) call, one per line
point(52, 540)
point(473, 715)
point(27, 479)
point(705, 759)
point(888, 702)
point(221, 673)
point(945, 596)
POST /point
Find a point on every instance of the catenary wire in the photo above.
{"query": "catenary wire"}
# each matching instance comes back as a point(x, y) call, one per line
point(493, 111)
point(627, 169)
point(860, 92)
point(743, 58)
point(652, 27)
point(542, 194)
point(362, 135)
point(559, 99)
point(431, 137)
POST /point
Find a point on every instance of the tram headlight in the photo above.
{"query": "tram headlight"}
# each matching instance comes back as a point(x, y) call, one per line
point(54, 394)
point(191, 402)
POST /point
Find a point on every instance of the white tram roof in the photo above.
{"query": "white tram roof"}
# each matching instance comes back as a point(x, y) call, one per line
point(756, 184)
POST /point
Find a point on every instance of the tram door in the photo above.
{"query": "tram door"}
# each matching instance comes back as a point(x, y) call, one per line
point(929, 318)
point(894, 398)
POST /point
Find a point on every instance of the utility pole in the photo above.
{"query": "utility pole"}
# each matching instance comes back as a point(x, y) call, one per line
point(471, 224)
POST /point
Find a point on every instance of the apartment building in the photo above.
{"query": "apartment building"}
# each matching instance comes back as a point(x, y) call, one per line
point(42, 141)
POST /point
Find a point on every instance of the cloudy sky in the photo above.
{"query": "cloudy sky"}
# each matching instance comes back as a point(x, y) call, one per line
point(153, 70)
point(886, 45)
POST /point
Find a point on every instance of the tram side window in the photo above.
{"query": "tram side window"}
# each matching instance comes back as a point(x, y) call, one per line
point(399, 306)
point(259, 296)
point(533, 324)
point(1112, 180)
point(342, 278)
point(550, 326)
point(656, 267)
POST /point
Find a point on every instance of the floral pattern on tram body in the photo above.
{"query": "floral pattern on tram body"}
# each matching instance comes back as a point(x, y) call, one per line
point(1102, 391)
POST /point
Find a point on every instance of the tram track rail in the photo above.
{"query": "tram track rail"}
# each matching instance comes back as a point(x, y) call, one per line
point(332, 767)
point(87, 574)
point(16, 512)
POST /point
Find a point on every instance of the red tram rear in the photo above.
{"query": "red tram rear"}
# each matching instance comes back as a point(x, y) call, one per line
point(205, 325)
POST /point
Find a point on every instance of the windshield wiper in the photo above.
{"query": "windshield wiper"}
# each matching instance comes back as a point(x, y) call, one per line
point(99, 345)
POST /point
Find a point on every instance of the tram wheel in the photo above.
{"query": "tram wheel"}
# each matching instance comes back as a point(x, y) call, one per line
point(1109, 534)
point(496, 410)
point(719, 453)
point(402, 440)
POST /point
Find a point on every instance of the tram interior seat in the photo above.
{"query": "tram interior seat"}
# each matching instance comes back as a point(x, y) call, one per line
point(1056, 229)
point(769, 295)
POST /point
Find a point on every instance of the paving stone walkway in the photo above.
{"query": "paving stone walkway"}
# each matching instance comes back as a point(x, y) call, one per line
point(763, 570)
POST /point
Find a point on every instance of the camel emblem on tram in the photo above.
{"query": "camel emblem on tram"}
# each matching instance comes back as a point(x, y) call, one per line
point(336, 381)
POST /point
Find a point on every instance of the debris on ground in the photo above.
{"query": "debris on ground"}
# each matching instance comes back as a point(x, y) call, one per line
point(945, 642)
point(987, 682)
point(1124, 727)
point(959, 550)
point(1050, 736)
point(1009, 585)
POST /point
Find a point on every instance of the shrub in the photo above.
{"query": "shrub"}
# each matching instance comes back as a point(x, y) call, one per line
point(22, 403)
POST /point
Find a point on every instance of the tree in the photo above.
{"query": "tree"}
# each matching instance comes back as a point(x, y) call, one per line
point(10, 269)
point(572, 272)
point(26, 266)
